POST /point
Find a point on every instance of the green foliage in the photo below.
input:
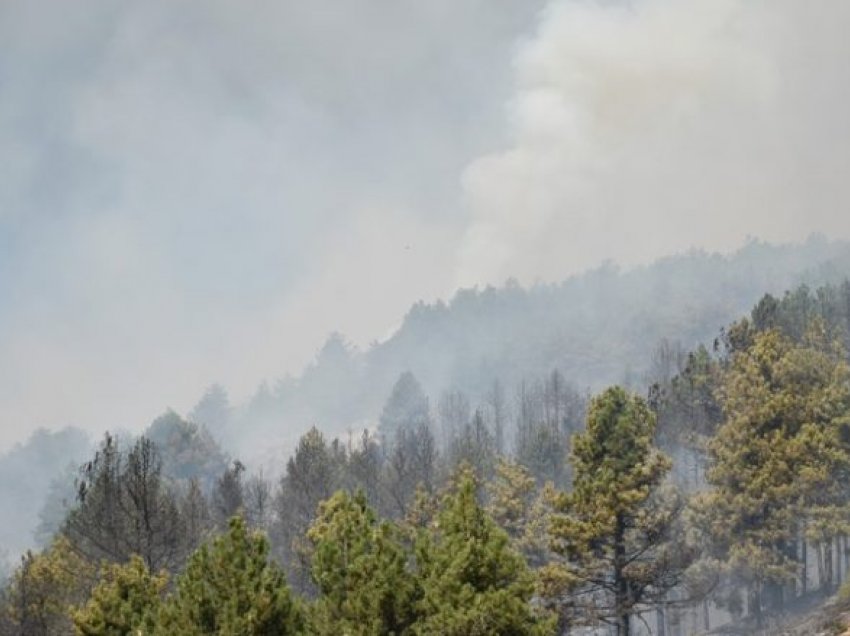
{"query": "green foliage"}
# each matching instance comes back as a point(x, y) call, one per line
point(365, 462)
point(124, 603)
point(510, 496)
point(780, 459)
point(230, 587)
point(686, 405)
point(616, 468)
point(615, 528)
point(44, 587)
point(360, 570)
point(523, 511)
point(474, 583)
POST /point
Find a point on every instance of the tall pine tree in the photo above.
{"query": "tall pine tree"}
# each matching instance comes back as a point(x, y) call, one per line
point(474, 583)
point(615, 527)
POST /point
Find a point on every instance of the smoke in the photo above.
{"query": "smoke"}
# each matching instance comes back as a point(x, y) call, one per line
point(648, 127)
point(198, 192)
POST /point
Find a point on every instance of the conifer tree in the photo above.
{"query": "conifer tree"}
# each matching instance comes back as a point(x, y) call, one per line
point(125, 507)
point(124, 603)
point(411, 462)
point(474, 583)
point(510, 496)
point(614, 529)
point(472, 444)
point(187, 450)
point(779, 461)
point(228, 496)
point(196, 520)
point(230, 587)
point(521, 509)
point(43, 588)
point(360, 570)
point(312, 475)
point(406, 408)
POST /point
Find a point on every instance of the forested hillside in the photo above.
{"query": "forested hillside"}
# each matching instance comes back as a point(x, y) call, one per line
point(708, 493)
point(602, 327)
point(596, 328)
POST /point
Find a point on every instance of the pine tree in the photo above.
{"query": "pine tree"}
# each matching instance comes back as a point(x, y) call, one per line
point(124, 603)
point(688, 415)
point(125, 507)
point(196, 521)
point(511, 494)
point(406, 408)
point(779, 461)
point(365, 462)
point(474, 583)
point(360, 570)
point(44, 586)
point(313, 474)
point(187, 450)
point(541, 439)
point(228, 497)
point(230, 587)
point(472, 444)
point(411, 462)
point(615, 528)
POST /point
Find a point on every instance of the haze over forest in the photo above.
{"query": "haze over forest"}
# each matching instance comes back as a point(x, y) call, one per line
point(203, 192)
point(424, 318)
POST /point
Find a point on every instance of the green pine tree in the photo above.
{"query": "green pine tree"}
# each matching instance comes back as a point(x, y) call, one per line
point(779, 461)
point(124, 602)
point(474, 583)
point(43, 588)
point(614, 529)
point(360, 570)
point(229, 588)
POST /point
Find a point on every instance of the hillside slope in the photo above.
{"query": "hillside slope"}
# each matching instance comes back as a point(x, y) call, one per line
point(597, 328)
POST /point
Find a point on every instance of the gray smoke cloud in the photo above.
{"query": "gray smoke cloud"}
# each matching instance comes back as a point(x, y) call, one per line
point(648, 127)
point(195, 192)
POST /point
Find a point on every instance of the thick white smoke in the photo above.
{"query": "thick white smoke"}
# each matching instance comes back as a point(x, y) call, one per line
point(648, 127)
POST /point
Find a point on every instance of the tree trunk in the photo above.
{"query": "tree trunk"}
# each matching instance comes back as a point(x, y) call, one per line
point(621, 584)
point(660, 627)
point(754, 605)
point(706, 616)
point(804, 575)
point(846, 555)
point(696, 471)
point(827, 560)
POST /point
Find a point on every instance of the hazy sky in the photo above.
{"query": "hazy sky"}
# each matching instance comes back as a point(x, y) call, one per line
point(196, 191)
